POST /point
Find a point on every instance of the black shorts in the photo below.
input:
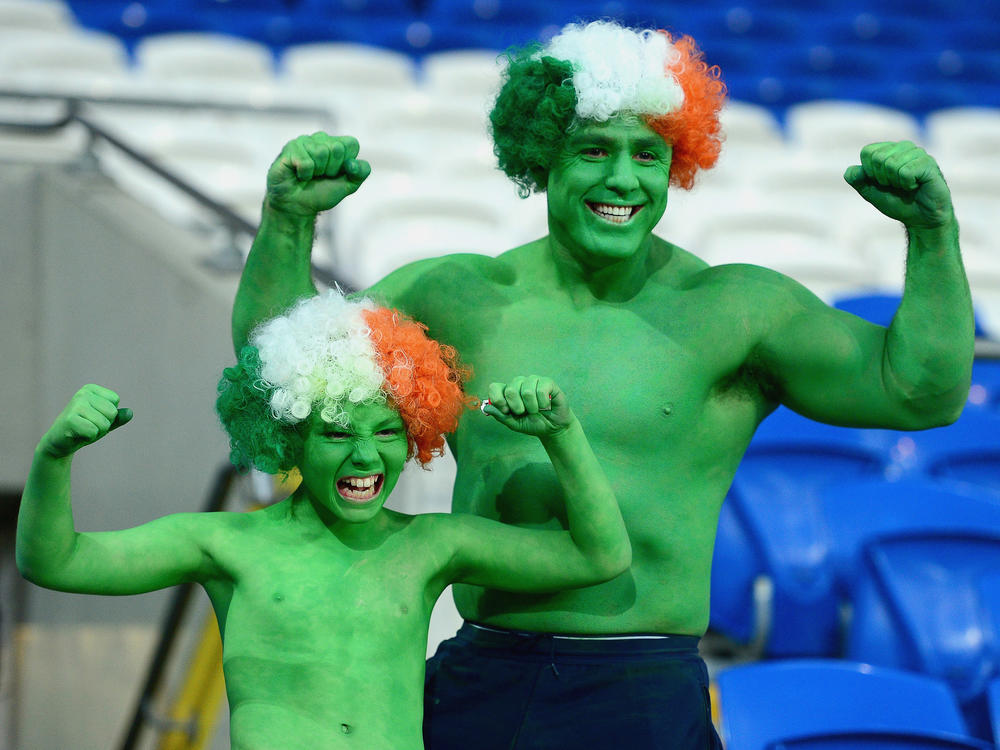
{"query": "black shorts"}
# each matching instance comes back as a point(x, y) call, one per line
point(493, 689)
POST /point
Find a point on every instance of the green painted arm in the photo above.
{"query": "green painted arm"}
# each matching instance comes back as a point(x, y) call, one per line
point(311, 174)
point(915, 374)
point(594, 548)
point(49, 550)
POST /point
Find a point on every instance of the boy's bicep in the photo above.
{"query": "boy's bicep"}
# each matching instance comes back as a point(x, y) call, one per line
point(502, 556)
point(155, 555)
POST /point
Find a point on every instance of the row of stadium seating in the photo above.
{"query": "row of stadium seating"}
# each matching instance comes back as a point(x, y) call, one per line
point(904, 57)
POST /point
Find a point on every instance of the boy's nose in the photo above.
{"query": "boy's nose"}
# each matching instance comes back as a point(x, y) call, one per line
point(365, 453)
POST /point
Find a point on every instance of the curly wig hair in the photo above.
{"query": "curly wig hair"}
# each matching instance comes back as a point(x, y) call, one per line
point(328, 351)
point(542, 96)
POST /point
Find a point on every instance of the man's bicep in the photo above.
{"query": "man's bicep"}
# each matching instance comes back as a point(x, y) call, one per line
point(161, 553)
point(827, 364)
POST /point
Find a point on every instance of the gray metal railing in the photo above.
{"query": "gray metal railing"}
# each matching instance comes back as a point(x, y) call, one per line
point(233, 223)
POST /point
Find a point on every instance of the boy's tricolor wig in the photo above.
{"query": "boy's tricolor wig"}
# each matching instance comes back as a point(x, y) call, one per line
point(601, 70)
point(328, 351)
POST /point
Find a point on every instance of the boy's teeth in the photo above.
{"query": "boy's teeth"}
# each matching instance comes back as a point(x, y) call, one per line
point(359, 488)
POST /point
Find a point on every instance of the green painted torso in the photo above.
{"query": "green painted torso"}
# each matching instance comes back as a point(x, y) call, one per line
point(661, 389)
point(323, 646)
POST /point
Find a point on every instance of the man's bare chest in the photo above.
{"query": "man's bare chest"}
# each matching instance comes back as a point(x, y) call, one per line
point(623, 363)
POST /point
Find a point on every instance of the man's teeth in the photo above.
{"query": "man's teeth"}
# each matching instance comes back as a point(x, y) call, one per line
point(359, 488)
point(614, 214)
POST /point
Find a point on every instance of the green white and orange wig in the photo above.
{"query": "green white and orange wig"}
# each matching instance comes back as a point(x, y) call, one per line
point(601, 70)
point(327, 351)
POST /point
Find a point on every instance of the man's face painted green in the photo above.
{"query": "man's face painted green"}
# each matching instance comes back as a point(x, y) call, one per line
point(608, 189)
point(351, 470)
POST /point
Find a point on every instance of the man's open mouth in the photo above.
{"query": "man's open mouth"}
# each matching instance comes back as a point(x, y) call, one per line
point(360, 489)
point(613, 214)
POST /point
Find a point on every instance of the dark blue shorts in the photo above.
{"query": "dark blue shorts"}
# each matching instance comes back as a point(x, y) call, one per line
point(495, 689)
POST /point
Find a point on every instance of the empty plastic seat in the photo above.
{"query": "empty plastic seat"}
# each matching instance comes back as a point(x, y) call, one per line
point(464, 72)
point(745, 123)
point(393, 230)
point(185, 57)
point(784, 239)
point(348, 65)
point(964, 453)
point(859, 511)
point(39, 15)
point(776, 500)
point(844, 126)
point(928, 602)
point(963, 131)
point(132, 21)
point(741, 593)
point(837, 705)
point(81, 61)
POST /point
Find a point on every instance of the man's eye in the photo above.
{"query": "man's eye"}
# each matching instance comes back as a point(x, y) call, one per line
point(337, 435)
point(645, 156)
point(594, 152)
point(390, 432)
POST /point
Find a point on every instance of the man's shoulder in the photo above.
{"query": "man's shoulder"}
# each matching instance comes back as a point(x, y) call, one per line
point(737, 277)
point(441, 273)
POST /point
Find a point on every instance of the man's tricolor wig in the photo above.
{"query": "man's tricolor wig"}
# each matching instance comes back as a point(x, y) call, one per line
point(328, 351)
point(601, 70)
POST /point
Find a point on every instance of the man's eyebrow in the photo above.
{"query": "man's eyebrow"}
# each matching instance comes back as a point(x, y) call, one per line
point(599, 139)
point(650, 141)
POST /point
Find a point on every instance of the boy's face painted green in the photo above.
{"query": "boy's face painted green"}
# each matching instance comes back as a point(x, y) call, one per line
point(351, 471)
point(608, 189)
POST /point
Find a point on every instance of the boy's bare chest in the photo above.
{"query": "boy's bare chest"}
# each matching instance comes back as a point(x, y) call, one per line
point(287, 593)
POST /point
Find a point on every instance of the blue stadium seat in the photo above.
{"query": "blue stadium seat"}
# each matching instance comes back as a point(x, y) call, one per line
point(858, 512)
point(776, 497)
point(736, 566)
point(964, 453)
point(837, 705)
point(993, 706)
point(929, 602)
point(985, 391)
point(132, 21)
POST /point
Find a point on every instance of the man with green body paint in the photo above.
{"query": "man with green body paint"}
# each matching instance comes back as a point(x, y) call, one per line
point(674, 364)
point(323, 600)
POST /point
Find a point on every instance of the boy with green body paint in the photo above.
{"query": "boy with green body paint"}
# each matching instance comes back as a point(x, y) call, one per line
point(675, 364)
point(323, 600)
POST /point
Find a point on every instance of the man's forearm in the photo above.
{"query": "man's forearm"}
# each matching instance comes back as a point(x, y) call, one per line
point(277, 271)
point(929, 346)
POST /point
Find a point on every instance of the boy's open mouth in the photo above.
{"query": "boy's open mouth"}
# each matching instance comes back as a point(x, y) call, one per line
point(360, 489)
point(613, 214)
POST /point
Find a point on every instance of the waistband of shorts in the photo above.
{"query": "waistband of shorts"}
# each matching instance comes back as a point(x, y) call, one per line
point(630, 644)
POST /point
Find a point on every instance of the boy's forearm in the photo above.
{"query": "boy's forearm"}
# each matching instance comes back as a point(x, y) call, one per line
point(277, 271)
point(930, 343)
point(595, 521)
point(45, 532)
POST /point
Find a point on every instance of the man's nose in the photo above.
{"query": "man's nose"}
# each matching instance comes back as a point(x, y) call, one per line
point(621, 174)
